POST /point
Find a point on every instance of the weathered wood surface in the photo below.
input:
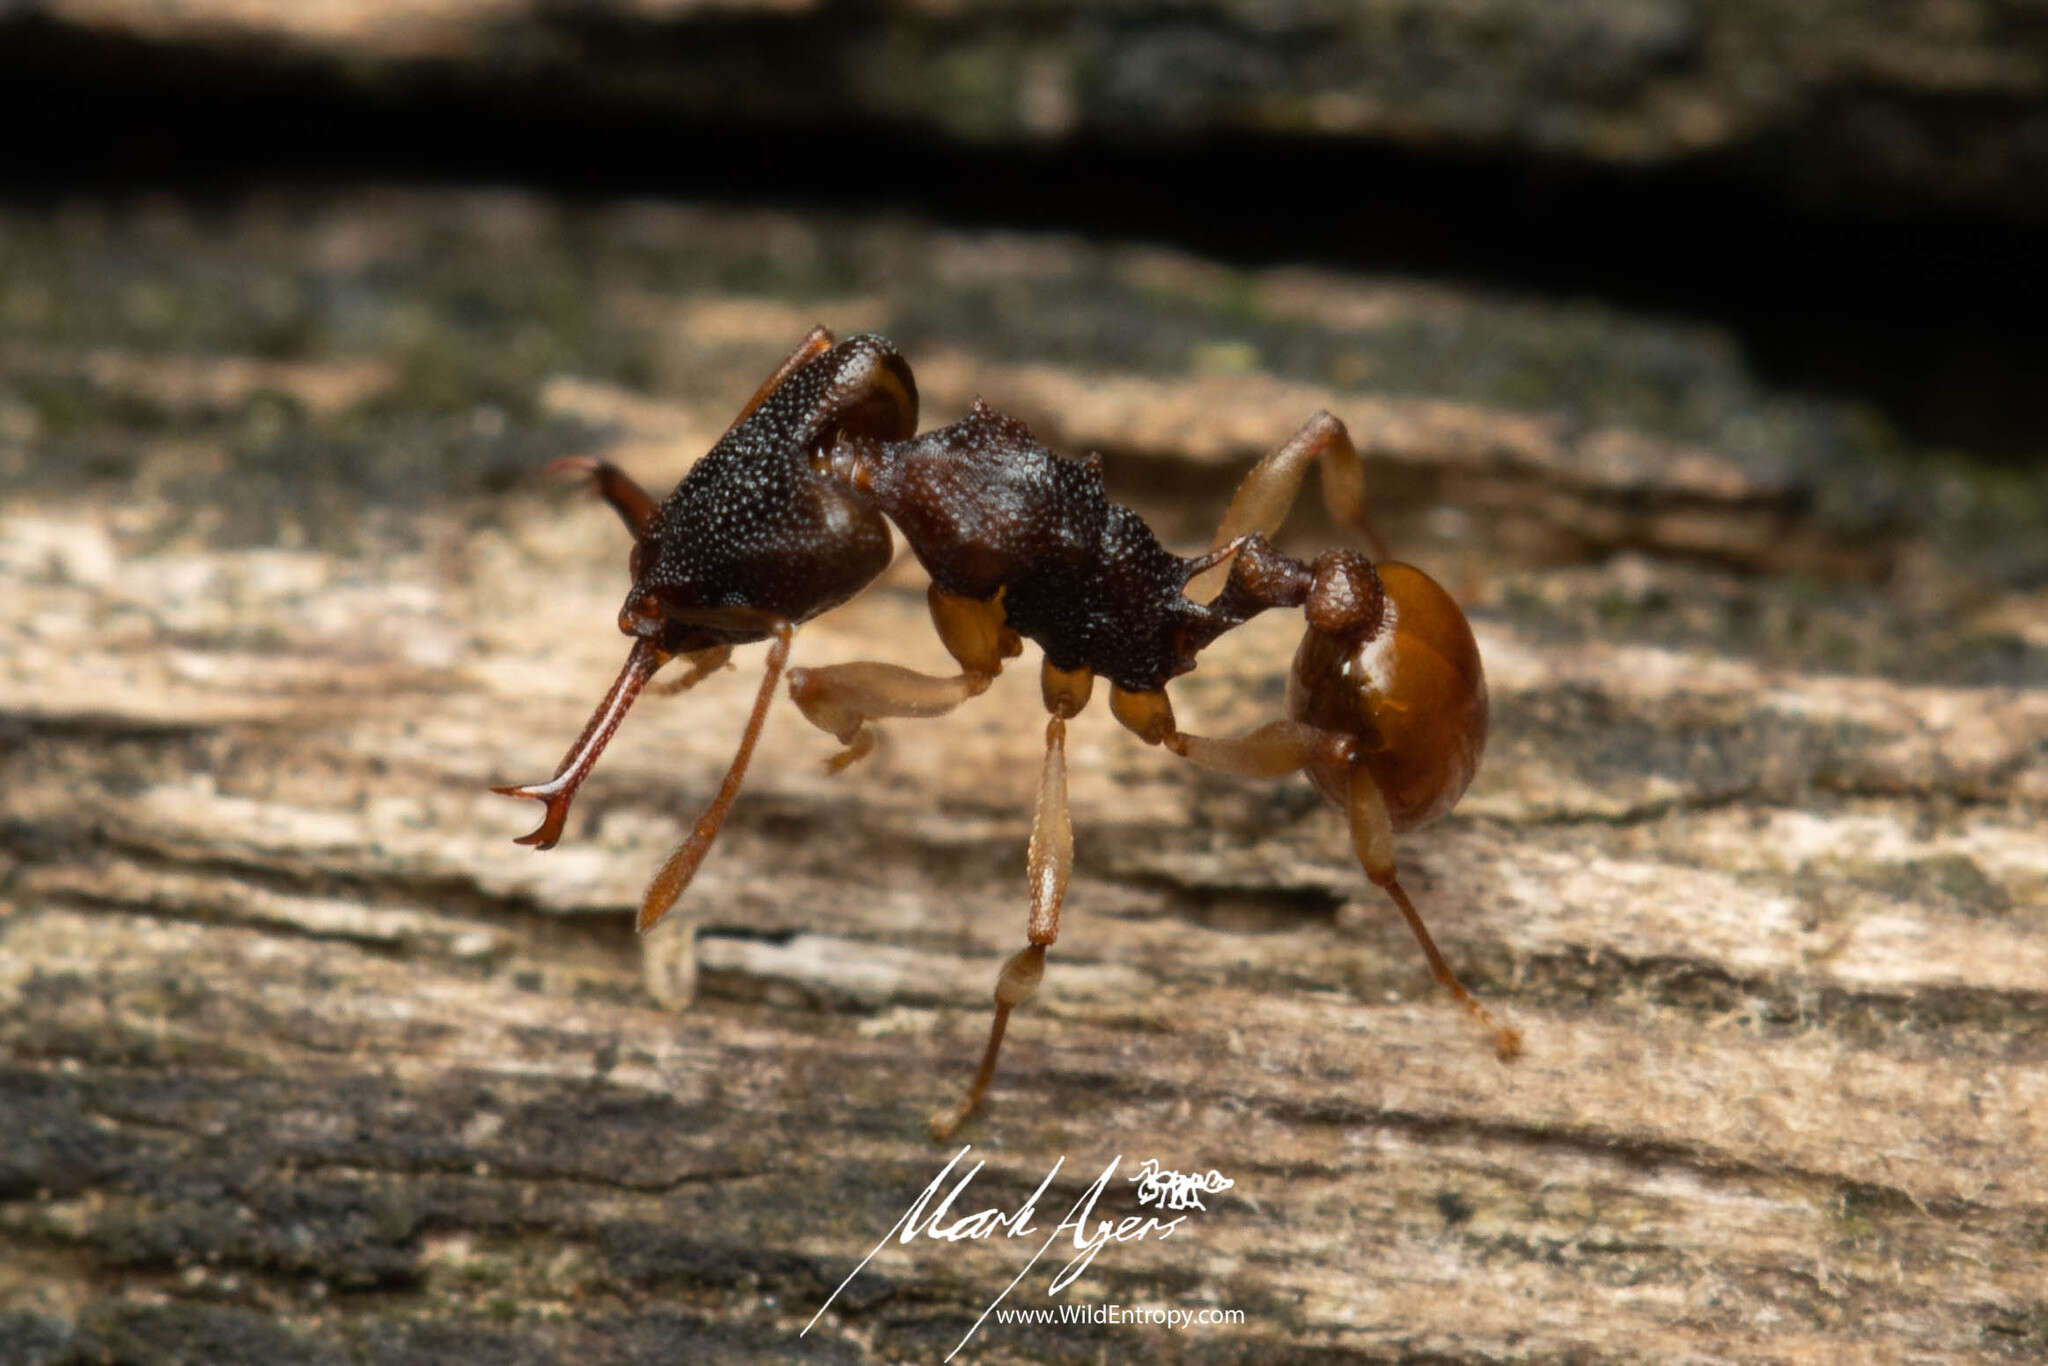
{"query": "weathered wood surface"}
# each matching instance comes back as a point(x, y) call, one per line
point(302, 1059)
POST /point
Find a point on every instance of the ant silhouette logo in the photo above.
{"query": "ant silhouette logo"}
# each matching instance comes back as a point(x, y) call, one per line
point(1170, 1189)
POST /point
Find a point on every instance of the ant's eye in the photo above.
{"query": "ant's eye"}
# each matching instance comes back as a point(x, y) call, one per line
point(641, 616)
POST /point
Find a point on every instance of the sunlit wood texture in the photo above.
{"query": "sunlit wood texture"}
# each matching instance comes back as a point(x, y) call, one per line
point(302, 1058)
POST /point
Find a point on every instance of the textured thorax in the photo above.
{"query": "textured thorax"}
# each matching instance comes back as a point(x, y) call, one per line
point(988, 510)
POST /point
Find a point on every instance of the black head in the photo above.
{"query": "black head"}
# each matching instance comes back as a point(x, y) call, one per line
point(754, 534)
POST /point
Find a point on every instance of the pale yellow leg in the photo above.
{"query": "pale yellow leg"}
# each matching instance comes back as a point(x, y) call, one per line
point(1277, 749)
point(703, 664)
point(844, 698)
point(1048, 866)
point(1372, 835)
point(1273, 750)
point(1263, 500)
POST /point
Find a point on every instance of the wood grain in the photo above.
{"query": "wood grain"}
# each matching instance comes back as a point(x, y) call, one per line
point(303, 1059)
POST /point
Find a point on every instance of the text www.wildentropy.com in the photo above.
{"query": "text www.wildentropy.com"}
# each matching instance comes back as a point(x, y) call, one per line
point(1119, 1314)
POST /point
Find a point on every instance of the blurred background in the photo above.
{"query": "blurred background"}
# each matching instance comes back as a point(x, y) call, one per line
point(1851, 191)
point(1696, 344)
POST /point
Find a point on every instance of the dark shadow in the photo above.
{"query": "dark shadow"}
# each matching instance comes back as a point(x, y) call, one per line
point(1914, 309)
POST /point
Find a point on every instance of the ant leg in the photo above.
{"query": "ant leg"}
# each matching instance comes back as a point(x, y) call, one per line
point(816, 343)
point(1048, 866)
point(634, 504)
point(668, 952)
point(1372, 835)
point(668, 962)
point(682, 864)
point(1273, 751)
point(843, 699)
point(1262, 501)
point(703, 664)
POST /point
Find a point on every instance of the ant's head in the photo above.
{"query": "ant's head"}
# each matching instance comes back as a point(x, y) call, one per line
point(754, 535)
point(754, 540)
point(1389, 663)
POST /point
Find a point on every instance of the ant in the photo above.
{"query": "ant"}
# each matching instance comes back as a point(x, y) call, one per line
point(787, 517)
